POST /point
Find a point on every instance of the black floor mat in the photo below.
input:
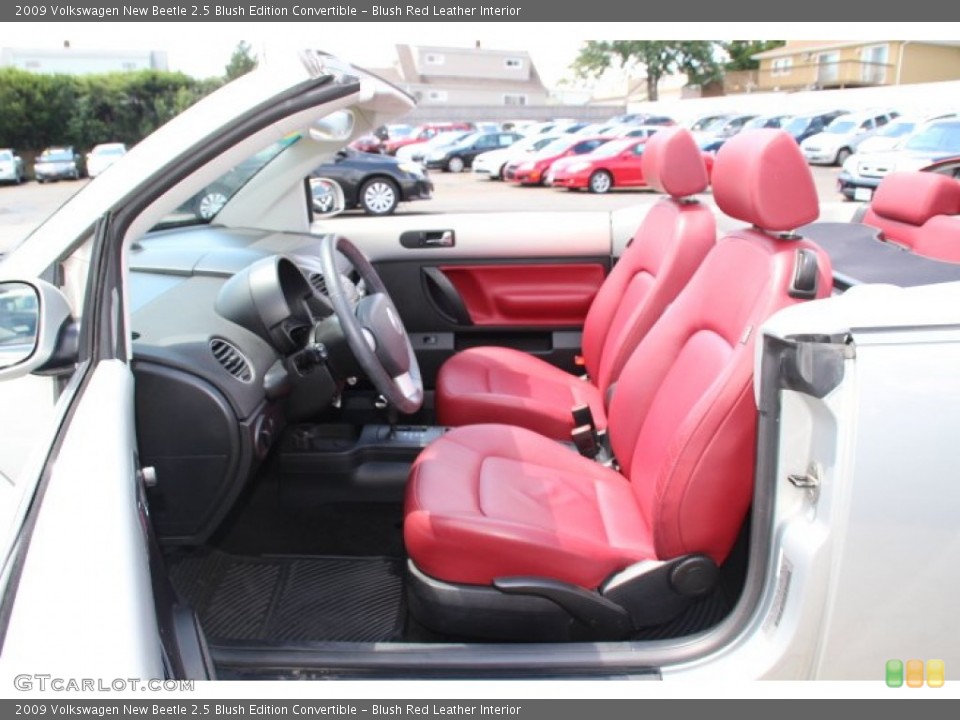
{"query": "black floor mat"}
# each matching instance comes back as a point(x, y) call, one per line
point(292, 599)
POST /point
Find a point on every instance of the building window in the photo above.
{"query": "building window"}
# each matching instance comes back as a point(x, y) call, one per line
point(433, 59)
point(873, 68)
point(828, 68)
point(129, 66)
point(438, 96)
point(782, 66)
point(514, 99)
point(513, 63)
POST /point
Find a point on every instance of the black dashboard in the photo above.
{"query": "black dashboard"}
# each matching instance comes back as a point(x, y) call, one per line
point(220, 322)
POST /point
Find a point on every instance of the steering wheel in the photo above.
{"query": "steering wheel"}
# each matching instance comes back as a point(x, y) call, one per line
point(373, 329)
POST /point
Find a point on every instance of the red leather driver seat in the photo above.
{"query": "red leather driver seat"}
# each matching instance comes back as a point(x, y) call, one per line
point(495, 384)
point(503, 523)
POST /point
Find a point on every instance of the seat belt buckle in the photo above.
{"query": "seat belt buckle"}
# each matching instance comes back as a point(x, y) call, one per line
point(583, 415)
point(583, 437)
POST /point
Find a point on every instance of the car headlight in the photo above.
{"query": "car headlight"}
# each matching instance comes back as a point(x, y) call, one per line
point(576, 167)
point(436, 156)
point(527, 166)
point(850, 164)
point(411, 168)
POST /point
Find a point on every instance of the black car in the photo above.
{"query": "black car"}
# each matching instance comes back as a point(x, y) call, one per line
point(376, 183)
point(803, 126)
point(459, 156)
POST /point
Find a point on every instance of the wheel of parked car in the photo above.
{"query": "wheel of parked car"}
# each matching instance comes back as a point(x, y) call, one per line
point(842, 155)
point(600, 182)
point(455, 164)
point(499, 174)
point(210, 202)
point(379, 196)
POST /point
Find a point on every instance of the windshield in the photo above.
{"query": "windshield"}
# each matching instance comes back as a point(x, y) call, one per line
point(56, 156)
point(559, 145)
point(205, 205)
point(898, 128)
point(6, 155)
point(717, 125)
point(613, 148)
point(797, 125)
point(943, 137)
point(841, 128)
point(399, 131)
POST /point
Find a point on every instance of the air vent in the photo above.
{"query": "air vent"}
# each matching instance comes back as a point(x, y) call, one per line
point(319, 284)
point(232, 359)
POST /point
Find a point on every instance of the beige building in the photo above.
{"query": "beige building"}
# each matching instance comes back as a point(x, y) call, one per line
point(439, 76)
point(811, 64)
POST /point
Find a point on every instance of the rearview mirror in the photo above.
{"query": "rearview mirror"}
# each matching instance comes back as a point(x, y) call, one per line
point(326, 197)
point(37, 332)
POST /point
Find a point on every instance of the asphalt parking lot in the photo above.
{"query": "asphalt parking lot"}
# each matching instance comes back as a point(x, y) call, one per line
point(25, 206)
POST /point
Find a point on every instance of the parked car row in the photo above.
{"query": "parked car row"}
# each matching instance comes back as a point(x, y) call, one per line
point(60, 162)
point(927, 146)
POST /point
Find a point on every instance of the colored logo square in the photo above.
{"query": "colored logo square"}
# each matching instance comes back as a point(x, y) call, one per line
point(914, 673)
point(935, 673)
point(894, 673)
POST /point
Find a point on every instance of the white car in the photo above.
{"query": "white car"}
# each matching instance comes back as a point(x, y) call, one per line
point(103, 156)
point(11, 167)
point(841, 138)
point(419, 151)
point(895, 132)
point(490, 164)
point(200, 480)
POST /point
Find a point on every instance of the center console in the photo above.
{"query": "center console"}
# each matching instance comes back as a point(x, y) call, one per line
point(340, 462)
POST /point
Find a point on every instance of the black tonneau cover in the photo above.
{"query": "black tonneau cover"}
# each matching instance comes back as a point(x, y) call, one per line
point(859, 256)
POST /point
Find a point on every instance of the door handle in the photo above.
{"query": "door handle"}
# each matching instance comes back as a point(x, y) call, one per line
point(418, 239)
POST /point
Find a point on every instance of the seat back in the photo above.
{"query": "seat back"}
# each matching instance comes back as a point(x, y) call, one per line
point(666, 249)
point(905, 203)
point(682, 418)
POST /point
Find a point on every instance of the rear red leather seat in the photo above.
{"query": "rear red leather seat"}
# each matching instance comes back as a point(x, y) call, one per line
point(489, 502)
point(495, 384)
point(919, 210)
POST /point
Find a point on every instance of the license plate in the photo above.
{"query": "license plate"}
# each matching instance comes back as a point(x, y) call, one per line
point(862, 193)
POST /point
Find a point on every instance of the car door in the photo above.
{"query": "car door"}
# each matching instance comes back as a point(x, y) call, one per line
point(519, 280)
point(82, 527)
point(629, 168)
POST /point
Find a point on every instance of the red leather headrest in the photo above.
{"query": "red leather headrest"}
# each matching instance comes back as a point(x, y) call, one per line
point(760, 177)
point(673, 164)
point(915, 197)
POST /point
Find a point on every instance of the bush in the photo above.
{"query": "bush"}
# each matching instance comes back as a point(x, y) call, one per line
point(43, 110)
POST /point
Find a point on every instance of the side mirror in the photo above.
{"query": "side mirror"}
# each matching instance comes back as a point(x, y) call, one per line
point(326, 197)
point(37, 330)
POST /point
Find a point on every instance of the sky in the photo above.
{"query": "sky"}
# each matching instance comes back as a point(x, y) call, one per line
point(203, 49)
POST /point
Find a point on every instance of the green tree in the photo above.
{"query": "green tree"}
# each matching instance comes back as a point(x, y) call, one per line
point(741, 52)
point(241, 62)
point(41, 110)
point(655, 57)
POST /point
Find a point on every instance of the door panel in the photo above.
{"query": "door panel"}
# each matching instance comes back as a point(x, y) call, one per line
point(526, 294)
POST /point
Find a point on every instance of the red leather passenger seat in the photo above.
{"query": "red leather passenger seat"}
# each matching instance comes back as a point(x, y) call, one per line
point(919, 210)
point(489, 502)
point(495, 384)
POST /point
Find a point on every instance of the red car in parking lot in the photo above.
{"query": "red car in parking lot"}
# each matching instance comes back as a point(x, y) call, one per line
point(533, 171)
point(613, 164)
